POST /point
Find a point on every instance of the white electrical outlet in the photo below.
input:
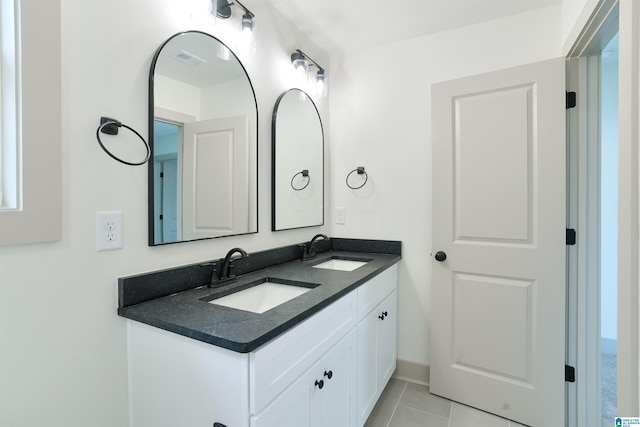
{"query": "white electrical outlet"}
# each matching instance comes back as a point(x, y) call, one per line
point(108, 231)
point(341, 215)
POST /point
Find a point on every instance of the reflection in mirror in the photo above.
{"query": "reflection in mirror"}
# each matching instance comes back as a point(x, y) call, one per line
point(298, 162)
point(203, 123)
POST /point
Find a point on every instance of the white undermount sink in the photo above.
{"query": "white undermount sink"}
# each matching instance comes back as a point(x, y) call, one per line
point(262, 297)
point(340, 264)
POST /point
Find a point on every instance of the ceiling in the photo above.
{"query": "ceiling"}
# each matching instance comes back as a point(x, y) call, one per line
point(207, 67)
point(339, 26)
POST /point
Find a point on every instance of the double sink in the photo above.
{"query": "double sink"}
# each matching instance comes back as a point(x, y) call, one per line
point(266, 293)
point(275, 290)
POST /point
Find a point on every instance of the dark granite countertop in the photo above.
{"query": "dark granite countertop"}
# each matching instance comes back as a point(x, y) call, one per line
point(190, 314)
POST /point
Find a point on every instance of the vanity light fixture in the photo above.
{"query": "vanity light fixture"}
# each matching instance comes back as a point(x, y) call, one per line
point(301, 63)
point(248, 27)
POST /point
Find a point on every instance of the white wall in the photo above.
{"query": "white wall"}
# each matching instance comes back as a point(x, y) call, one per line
point(575, 15)
point(177, 96)
point(380, 119)
point(62, 346)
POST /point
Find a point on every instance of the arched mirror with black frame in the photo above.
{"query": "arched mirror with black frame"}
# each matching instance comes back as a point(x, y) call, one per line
point(203, 130)
point(297, 162)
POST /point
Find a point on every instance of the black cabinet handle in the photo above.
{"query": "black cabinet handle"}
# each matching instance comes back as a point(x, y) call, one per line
point(328, 374)
point(383, 315)
point(441, 256)
point(320, 384)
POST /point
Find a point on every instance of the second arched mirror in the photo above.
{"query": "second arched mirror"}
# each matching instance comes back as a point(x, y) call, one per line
point(297, 162)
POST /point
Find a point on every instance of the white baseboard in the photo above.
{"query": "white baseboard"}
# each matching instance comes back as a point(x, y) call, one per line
point(412, 372)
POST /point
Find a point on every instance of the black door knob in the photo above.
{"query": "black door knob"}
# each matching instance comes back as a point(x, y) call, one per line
point(440, 256)
point(328, 374)
point(320, 384)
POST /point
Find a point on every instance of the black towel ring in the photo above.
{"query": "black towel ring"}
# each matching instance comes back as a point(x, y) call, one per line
point(110, 127)
point(360, 171)
point(304, 173)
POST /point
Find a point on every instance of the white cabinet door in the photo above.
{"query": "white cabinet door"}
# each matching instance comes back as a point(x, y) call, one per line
point(376, 354)
point(178, 381)
point(315, 400)
point(386, 337)
point(334, 404)
point(367, 366)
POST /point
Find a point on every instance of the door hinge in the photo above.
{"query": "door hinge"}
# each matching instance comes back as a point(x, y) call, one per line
point(571, 100)
point(161, 174)
point(161, 217)
point(571, 236)
point(569, 374)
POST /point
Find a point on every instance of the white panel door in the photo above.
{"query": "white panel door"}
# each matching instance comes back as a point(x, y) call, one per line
point(498, 299)
point(215, 178)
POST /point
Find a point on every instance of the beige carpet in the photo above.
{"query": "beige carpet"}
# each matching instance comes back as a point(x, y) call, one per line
point(608, 390)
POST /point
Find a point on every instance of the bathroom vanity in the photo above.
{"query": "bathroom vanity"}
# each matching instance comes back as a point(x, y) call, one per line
point(321, 358)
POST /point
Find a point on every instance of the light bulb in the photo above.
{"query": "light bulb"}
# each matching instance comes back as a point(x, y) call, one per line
point(300, 68)
point(302, 96)
point(202, 12)
point(247, 39)
point(224, 53)
point(321, 84)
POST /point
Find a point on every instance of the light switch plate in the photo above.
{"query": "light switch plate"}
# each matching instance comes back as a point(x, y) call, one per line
point(108, 231)
point(341, 215)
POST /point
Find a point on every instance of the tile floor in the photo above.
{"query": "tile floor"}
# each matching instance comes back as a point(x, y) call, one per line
point(405, 404)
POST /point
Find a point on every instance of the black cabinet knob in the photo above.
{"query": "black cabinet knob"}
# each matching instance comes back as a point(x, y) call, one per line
point(383, 315)
point(328, 374)
point(441, 256)
point(319, 384)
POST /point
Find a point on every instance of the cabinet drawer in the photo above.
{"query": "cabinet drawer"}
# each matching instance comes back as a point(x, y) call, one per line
point(277, 364)
point(375, 290)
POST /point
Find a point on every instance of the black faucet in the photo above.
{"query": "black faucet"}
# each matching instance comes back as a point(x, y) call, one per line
point(308, 252)
point(222, 275)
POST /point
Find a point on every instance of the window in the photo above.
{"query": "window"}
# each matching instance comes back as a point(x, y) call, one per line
point(31, 157)
point(9, 109)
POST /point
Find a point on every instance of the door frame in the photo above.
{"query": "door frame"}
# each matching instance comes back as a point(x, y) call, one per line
point(580, 348)
point(583, 259)
point(629, 216)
